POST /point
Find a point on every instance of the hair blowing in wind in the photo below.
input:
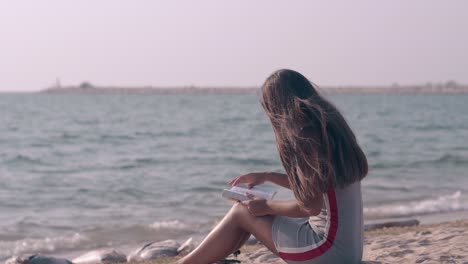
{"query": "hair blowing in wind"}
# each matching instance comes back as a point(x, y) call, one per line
point(316, 146)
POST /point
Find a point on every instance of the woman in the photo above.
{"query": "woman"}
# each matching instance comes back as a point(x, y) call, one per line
point(324, 166)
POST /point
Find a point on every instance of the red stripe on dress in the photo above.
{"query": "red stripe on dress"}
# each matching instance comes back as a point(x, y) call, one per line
point(313, 253)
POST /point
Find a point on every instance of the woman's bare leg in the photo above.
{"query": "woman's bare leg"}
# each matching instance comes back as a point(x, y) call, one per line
point(242, 241)
point(229, 233)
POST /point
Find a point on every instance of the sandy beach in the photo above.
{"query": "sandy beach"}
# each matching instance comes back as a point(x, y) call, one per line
point(437, 243)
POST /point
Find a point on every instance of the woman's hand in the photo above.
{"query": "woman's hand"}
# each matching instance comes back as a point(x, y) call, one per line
point(257, 206)
point(253, 179)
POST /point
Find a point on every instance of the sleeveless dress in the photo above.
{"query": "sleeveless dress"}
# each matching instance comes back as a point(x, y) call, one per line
point(333, 236)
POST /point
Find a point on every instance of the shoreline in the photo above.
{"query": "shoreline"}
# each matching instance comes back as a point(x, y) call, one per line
point(430, 243)
point(397, 242)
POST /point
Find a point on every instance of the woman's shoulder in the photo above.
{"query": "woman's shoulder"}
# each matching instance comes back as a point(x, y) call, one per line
point(350, 189)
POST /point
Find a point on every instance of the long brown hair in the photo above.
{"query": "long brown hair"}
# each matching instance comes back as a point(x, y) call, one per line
point(316, 146)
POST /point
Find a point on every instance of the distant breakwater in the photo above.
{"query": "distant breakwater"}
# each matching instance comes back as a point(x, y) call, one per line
point(447, 88)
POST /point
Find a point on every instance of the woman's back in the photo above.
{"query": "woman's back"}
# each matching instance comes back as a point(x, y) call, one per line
point(333, 236)
point(345, 223)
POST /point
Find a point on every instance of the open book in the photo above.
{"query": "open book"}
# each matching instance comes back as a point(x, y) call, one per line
point(239, 193)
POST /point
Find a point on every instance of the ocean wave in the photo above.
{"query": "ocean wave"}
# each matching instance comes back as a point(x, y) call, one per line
point(432, 127)
point(126, 167)
point(451, 159)
point(148, 161)
point(169, 225)
point(386, 165)
point(204, 189)
point(25, 160)
point(41, 245)
point(68, 135)
point(446, 159)
point(250, 161)
point(116, 137)
point(442, 204)
point(381, 187)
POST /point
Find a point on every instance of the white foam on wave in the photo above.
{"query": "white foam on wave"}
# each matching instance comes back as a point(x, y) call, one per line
point(442, 204)
point(169, 225)
point(41, 245)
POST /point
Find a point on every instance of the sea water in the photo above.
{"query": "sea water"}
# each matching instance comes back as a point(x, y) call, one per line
point(80, 172)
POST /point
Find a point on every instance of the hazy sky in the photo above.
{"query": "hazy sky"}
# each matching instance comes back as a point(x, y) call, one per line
point(234, 43)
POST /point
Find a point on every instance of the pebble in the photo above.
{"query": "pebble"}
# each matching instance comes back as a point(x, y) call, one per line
point(37, 259)
point(252, 241)
point(153, 250)
point(102, 256)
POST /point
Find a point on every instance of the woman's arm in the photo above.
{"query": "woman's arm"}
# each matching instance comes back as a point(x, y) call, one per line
point(280, 179)
point(257, 178)
point(260, 207)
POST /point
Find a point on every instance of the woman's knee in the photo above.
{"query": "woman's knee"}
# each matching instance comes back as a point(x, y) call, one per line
point(240, 212)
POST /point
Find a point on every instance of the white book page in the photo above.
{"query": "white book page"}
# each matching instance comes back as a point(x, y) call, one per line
point(257, 191)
